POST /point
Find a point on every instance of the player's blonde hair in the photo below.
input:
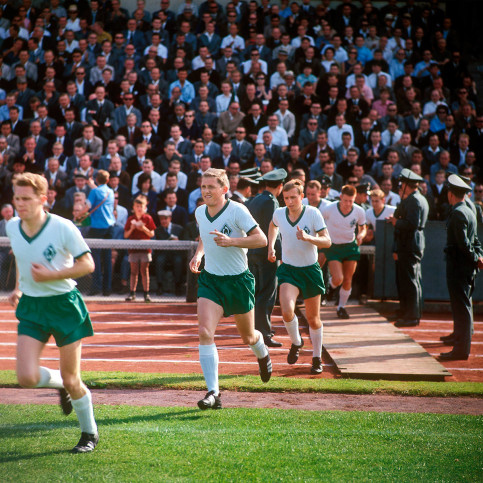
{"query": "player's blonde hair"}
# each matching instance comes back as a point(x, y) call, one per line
point(37, 182)
point(377, 194)
point(218, 174)
point(294, 184)
point(314, 184)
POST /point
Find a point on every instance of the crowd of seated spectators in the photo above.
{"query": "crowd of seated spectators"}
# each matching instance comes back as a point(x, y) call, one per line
point(323, 89)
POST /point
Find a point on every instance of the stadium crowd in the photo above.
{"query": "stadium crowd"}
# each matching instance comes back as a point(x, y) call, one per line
point(336, 94)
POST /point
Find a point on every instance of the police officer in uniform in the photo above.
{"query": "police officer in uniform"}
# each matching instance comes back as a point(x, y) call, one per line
point(464, 256)
point(409, 220)
point(262, 207)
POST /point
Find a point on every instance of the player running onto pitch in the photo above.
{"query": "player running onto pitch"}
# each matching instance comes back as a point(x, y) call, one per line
point(50, 252)
point(225, 286)
point(303, 231)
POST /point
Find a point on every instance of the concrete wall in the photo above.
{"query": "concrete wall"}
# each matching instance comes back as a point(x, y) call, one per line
point(433, 264)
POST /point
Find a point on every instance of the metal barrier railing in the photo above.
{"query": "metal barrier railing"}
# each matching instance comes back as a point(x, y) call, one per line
point(121, 267)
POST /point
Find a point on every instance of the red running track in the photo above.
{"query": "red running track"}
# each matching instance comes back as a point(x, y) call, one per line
point(163, 338)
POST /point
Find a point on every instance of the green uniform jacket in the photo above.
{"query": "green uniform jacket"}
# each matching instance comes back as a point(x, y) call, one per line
point(462, 247)
point(262, 207)
point(412, 214)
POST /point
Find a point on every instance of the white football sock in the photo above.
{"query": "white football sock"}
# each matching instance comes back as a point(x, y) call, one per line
point(343, 297)
point(293, 330)
point(316, 338)
point(259, 348)
point(209, 366)
point(50, 378)
point(85, 413)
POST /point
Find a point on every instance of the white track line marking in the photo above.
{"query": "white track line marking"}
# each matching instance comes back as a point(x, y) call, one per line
point(161, 361)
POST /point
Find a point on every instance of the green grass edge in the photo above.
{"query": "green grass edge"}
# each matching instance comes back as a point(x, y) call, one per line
point(135, 380)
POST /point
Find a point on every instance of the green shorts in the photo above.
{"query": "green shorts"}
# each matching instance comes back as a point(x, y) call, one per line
point(235, 293)
point(308, 280)
point(342, 252)
point(63, 316)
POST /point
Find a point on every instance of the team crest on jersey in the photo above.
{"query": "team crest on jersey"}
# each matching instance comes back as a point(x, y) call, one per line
point(226, 230)
point(306, 229)
point(353, 223)
point(50, 252)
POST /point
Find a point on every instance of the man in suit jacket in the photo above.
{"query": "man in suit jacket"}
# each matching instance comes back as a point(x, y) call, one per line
point(171, 259)
point(253, 122)
point(13, 141)
point(99, 114)
point(57, 179)
point(60, 136)
point(229, 121)
point(242, 149)
point(80, 185)
point(19, 128)
point(93, 144)
point(309, 134)
point(169, 201)
point(212, 149)
point(405, 150)
point(73, 128)
point(123, 192)
point(35, 130)
point(272, 151)
point(122, 112)
point(226, 156)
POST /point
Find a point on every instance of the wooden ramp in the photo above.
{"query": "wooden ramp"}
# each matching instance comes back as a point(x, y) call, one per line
point(368, 346)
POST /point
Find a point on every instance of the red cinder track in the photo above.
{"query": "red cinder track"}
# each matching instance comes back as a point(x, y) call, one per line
point(163, 338)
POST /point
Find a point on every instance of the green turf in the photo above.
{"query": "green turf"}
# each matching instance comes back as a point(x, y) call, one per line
point(135, 380)
point(174, 444)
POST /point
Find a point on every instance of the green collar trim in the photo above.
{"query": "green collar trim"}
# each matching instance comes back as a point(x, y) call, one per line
point(212, 219)
point(31, 239)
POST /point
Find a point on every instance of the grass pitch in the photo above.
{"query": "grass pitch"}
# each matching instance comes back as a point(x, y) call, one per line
point(183, 444)
point(138, 380)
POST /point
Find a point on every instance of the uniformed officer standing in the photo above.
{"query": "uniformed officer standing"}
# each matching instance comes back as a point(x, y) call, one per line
point(409, 220)
point(464, 256)
point(262, 207)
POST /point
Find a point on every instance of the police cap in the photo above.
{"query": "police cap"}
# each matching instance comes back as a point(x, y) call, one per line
point(456, 184)
point(275, 175)
point(408, 175)
point(325, 180)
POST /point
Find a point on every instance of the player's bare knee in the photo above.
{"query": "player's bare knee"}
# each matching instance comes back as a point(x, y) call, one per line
point(28, 380)
point(250, 339)
point(72, 383)
point(337, 280)
point(206, 336)
point(347, 284)
point(288, 315)
point(314, 322)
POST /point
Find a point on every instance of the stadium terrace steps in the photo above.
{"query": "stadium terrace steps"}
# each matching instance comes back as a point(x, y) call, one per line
point(367, 346)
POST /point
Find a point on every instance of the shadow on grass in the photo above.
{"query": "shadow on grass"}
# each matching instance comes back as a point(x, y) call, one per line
point(24, 457)
point(22, 430)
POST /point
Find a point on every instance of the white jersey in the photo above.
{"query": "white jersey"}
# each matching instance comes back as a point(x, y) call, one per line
point(324, 202)
point(342, 227)
point(55, 246)
point(235, 221)
point(372, 218)
point(296, 252)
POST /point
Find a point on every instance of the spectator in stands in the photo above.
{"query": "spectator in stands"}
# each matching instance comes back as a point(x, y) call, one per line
point(171, 259)
point(100, 204)
point(139, 226)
